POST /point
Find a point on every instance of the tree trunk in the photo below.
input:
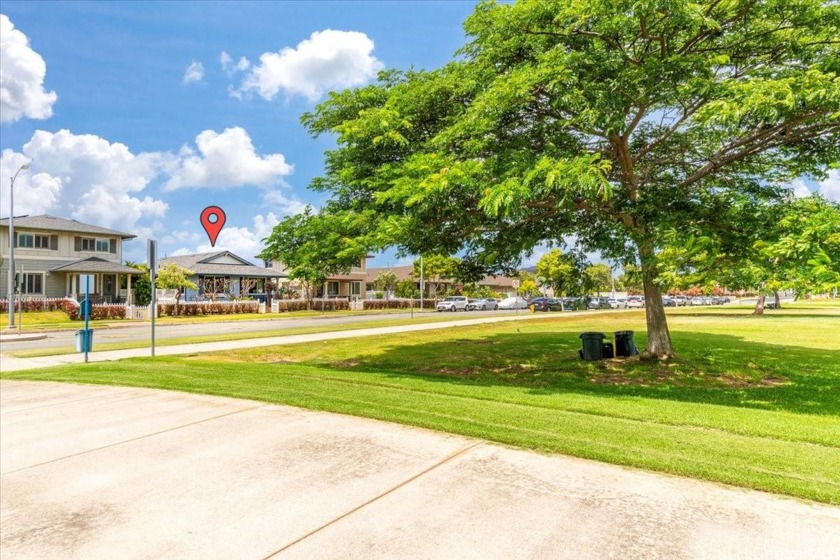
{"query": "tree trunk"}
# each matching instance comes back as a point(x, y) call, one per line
point(778, 300)
point(759, 306)
point(659, 338)
point(324, 298)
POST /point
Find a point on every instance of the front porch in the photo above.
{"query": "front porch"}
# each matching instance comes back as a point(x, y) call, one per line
point(109, 282)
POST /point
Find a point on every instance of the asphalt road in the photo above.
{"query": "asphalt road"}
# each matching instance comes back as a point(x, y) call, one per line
point(141, 332)
point(94, 472)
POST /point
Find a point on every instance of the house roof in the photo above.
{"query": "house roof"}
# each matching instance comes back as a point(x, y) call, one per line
point(53, 223)
point(406, 273)
point(203, 264)
point(96, 264)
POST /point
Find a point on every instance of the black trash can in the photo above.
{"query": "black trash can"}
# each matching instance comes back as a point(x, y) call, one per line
point(593, 345)
point(624, 344)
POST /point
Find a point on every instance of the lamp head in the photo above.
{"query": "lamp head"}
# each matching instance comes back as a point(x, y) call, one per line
point(24, 167)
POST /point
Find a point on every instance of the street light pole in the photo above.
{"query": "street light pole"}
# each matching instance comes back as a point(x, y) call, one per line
point(11, 290)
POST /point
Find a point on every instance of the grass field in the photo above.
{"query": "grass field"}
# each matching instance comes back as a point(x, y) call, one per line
point(751, 401)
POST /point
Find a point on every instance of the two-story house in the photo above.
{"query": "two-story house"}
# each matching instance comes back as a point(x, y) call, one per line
point(53, 254)
point(222, 274)
point(348, 286)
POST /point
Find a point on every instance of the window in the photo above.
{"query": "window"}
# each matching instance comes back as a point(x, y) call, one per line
point(26, 240)
point(96, 244)
point(42, 241)
point(32, 283)
point(332, 288)
point(355, 288)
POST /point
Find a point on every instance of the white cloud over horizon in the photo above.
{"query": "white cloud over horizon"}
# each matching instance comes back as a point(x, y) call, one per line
point(830, 187)
point(244, 242)
point(194, 73)
point(327, 60)
point(22, 73)
point(224, 160)
point(83, 177)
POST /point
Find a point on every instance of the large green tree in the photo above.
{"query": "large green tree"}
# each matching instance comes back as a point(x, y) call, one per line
point(616, 121)
point(313, 246)
point(436, 270)
point(563, 272)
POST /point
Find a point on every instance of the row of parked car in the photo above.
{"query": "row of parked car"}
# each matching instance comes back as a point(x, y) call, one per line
point(462, 303)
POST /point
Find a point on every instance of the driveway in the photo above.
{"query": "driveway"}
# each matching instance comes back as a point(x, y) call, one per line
point(95, 472)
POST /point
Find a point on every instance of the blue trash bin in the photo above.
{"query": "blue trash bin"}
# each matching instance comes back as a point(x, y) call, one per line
point(84, 340)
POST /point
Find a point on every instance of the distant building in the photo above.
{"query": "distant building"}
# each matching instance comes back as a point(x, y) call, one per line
point(222, 274)
point(348, 286)
point(499, 284)
point(52, 253)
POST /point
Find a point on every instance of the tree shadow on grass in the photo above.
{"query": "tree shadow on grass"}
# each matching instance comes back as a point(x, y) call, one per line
point(712, 369)
point(769, 314)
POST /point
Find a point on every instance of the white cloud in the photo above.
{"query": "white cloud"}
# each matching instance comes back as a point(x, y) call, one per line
point(226, 159)
point(286, 205)
point(328, 60)
point(22, 72)
point(227, 64)
point(245, 242)
point(800, 189)
point(830, 188)
point(84, 177)
point(194, 72)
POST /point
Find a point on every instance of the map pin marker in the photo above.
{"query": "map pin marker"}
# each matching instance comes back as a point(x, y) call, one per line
point(213, 220)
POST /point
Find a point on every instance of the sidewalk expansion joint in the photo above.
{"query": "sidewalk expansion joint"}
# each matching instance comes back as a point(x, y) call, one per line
point(172, 429)
point(379, 496)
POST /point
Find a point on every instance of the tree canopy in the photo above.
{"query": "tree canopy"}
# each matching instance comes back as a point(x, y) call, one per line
point(628, 124)
point(171, 276)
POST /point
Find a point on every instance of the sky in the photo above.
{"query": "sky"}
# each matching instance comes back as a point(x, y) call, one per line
point(138, 115)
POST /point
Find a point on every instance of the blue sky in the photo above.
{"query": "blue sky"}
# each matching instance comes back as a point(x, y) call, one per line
point(132, 117)
point(137, 115)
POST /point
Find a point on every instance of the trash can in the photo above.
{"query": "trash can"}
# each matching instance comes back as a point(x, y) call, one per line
point(624, 344)
point(593, 345)
point(84, 340)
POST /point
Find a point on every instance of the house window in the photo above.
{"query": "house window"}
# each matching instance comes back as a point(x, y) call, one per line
point(355, 288)
point(332, 288)
point(96, 244)
point(26, 240)
point(32, 283)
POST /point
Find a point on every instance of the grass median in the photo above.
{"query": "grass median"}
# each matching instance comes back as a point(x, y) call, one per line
point(751, 401)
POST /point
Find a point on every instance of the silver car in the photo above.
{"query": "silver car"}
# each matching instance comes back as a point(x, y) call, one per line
point(483, 304)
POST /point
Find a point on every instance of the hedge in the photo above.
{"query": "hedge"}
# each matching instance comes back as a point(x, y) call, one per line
point(374, 304)
point(210, 308)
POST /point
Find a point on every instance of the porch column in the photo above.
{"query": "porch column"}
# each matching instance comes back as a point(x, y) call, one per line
point(128, 299)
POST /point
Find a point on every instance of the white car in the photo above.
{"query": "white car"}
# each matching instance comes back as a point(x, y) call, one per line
point(635, 302)
point(513, 303)
point(453, 303)
point(618, 303)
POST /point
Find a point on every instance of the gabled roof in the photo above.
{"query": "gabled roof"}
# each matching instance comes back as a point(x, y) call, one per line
point(53, 223)
point(96, 264)
point(203, 264)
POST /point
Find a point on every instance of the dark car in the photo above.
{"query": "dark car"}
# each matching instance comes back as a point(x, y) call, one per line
point(573, 304)
point(598, 303)
point(668, 302)
point(545, 304)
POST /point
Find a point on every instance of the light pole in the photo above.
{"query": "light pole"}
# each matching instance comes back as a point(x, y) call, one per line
point(11, 290)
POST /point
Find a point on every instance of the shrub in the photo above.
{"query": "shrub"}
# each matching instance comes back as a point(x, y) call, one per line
point(375, 304)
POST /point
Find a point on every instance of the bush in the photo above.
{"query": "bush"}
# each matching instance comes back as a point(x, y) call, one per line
point(375, 304)
point(209, 308)
point(35, 304)
point(286, 305)
point(330, 305)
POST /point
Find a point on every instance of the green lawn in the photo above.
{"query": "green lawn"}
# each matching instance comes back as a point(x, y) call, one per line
point(751, 401)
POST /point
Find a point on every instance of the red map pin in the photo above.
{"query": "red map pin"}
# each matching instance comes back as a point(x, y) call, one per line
point(213, 220)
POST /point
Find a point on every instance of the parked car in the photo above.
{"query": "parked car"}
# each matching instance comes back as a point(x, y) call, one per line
point(618, 303)
point(574, 303)
point(718, 300)
point(453, 303)
point(697, 301)
point(596, 302)
point(483, 304)
point(681, 301)
point(635, 302)
point(513, 303)
point(668, 302)
point(545, 304)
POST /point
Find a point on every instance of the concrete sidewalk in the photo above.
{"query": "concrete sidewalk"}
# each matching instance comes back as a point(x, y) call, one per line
point(94, 472)
point(10, 363)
